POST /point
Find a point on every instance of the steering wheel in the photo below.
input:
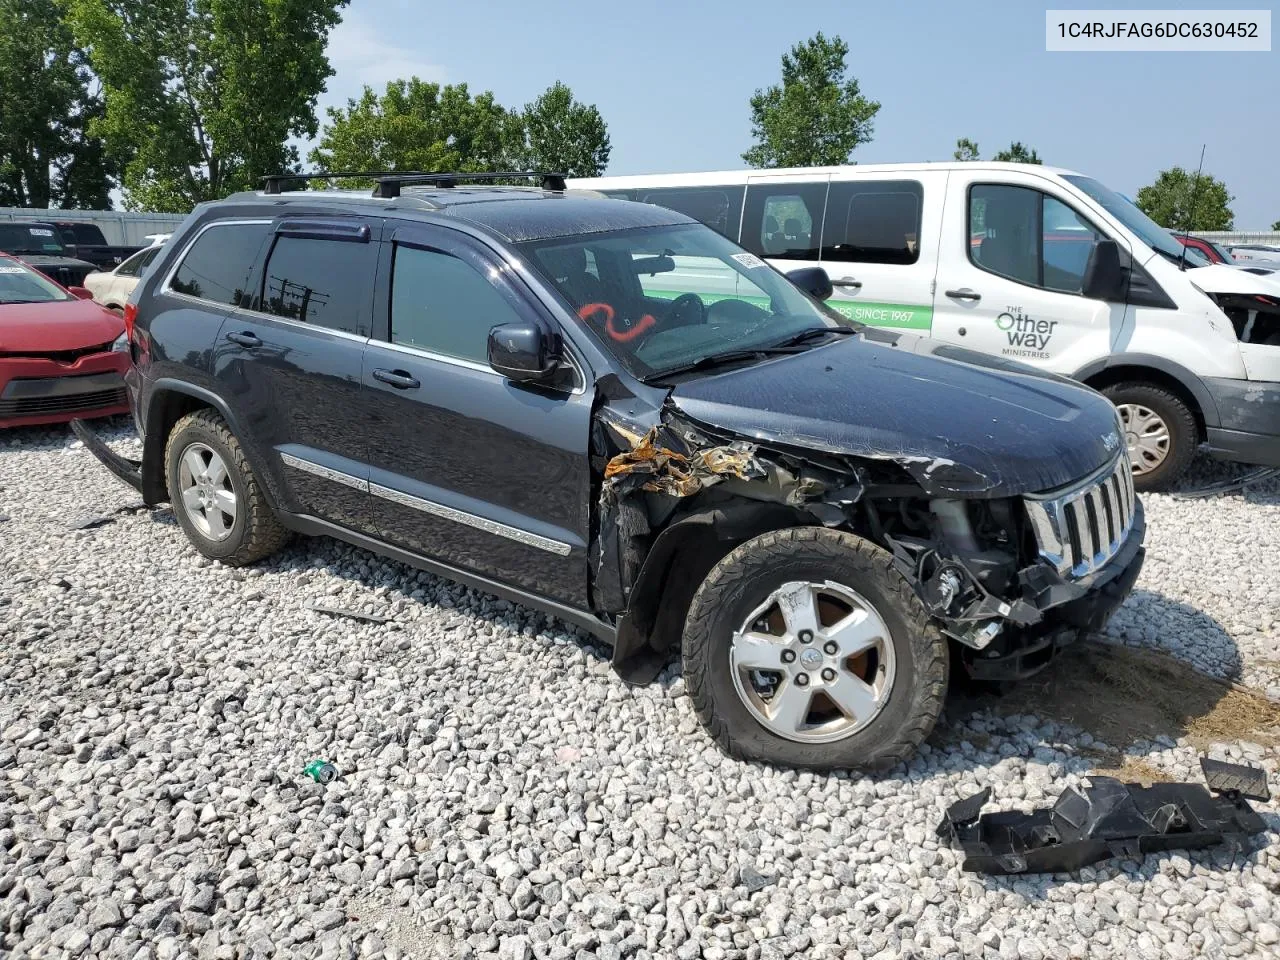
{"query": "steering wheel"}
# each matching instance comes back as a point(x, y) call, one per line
point(687, 310)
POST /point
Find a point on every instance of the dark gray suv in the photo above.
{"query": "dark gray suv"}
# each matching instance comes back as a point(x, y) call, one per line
point(609, 412)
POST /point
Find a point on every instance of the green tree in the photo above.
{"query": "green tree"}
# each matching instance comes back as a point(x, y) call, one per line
point(1180, 201)
point(816, 116)
point(1017, 153)
point(416, 125)
point(1276, 225)
point(202, 95)
point(559, 134)
point(46, 103)
point(966, 149)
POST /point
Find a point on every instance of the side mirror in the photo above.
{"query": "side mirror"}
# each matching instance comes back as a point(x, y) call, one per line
point(84, 293)
point(1104, 277)
point(813, 281)
point(522, 352)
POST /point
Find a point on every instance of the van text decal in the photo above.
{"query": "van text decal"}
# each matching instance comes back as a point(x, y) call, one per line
point(1028, 337)
point(900, 316)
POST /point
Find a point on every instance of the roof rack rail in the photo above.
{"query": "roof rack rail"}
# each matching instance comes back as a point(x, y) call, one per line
point(389, 182)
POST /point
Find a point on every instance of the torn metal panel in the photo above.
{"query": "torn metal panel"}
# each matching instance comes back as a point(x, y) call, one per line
point(1107, 819)
point(654, 466)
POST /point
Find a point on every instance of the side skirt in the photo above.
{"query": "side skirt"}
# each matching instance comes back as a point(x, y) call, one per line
point(315, 527)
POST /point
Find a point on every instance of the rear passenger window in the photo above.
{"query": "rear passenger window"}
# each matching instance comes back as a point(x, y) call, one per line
point(784, 219)
point(442, 305)
point(327, 283)
point(720, 208)
point(217, 266)
point(873, 222)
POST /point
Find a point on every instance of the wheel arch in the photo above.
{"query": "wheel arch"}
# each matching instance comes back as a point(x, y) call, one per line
point(1180, 381)
point(681, 557)
point(170, 401)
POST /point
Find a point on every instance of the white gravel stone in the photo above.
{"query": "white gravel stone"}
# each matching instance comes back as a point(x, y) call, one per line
point(501, 792)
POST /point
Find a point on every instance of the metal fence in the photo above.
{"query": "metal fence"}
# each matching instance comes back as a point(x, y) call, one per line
point(118, 226)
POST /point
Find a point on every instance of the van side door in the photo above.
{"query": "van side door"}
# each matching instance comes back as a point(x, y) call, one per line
point(880, 246)
point(1011, 267)
point(782, 218)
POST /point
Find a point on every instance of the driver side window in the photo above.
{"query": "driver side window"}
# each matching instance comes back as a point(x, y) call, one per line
point(1030, 237)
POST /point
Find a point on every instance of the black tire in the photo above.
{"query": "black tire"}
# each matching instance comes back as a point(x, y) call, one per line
point(1184, 434)
point(255, 532)
point(744, 579)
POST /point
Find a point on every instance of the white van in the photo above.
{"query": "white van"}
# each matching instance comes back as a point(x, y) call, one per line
point(1013, 259)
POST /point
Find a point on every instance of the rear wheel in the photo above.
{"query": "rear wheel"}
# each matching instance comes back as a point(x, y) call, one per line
point(1159, 430)
point(805, 647)
point(215, 494)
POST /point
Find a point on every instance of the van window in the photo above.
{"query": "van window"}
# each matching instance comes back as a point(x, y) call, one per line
point(1028, 236)
point(873, 222)
point(217, 266)
point(328, 283)
point(784, 219)
point(442, 305)
point(720, 208)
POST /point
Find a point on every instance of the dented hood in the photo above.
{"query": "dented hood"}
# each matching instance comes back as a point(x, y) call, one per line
point(959, 422)
point(1222, 278)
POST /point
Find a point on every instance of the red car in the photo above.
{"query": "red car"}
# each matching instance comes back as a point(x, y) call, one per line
point(62, 356)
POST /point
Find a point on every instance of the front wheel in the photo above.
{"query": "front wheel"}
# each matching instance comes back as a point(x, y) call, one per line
point(806, 647)
point(1159, 430)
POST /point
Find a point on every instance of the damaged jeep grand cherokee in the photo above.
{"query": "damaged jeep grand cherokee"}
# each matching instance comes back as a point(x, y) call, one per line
point(611, 413)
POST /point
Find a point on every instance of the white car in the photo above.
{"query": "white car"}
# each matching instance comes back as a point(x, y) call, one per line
point(1026, 262)
point(111, 288)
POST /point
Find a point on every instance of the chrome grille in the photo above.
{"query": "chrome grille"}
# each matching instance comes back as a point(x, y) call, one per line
point(1080, 528)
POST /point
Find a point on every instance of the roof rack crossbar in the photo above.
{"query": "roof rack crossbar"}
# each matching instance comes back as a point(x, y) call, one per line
point(389, 182)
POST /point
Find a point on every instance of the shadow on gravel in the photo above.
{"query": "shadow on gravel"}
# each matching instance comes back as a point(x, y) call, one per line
point(1150, 619)
point(1124, 697)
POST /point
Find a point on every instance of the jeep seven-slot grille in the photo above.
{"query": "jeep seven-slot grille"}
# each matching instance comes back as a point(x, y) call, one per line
point(1079, 529)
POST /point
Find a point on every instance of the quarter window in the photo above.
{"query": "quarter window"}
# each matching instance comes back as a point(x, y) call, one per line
point(328, 283)
point(784, 219)
point(137, 263)
point(873, 222)
point(720, 208)
point(443, 305)
point(217, 266)
point(1028, 236)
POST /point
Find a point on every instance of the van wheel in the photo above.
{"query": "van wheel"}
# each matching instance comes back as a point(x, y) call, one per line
point(806, 647)
point(1160, 432)
point(215, 495)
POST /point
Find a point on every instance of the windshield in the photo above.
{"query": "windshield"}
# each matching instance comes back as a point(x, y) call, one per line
point(663, 298)
point(1124, 210)
point(24, 238)
point(20, 284)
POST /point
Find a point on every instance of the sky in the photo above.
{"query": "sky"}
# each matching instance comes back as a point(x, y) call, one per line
point(673, 81)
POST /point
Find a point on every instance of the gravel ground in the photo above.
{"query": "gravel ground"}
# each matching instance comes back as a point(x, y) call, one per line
point(501, 792)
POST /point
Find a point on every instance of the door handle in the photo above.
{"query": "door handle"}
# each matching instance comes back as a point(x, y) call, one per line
point(964, 293)
point(245, 339)
point(847, 282)
point(398, 379)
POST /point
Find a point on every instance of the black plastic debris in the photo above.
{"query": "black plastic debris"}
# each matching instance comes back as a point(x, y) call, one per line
point(1108, 819)
point(89, 522)
point(1260, 475)
point(350, 614)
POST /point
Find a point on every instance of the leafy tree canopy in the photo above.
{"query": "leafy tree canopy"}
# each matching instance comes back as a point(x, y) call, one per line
point(1178, 201)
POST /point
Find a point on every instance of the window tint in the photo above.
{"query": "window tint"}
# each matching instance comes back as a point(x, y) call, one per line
point(784, 219)
point(720, 208)
point(873, 222)
point(1030, 237)
point(441, 304)
point(328, 283)
point(217, 266)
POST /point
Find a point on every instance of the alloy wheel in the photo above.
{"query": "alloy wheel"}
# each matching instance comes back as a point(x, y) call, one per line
point(207, 495)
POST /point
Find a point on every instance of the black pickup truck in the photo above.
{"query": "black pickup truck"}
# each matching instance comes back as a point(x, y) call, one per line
point(40, 245)
point(86, 241)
